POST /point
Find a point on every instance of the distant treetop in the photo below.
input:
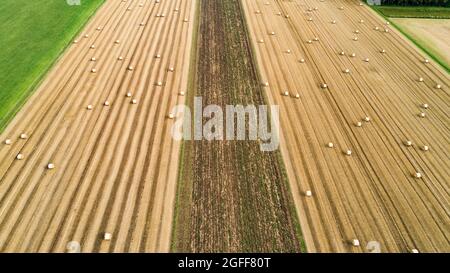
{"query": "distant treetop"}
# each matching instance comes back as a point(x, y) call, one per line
point(442, 3)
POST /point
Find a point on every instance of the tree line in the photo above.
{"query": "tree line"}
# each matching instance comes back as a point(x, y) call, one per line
point(442, 3)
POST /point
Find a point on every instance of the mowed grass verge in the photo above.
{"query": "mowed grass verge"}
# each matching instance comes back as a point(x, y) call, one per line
point(414, 12)
point(32, 36)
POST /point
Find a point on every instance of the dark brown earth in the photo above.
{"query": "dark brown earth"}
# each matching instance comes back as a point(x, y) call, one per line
point(235, 198)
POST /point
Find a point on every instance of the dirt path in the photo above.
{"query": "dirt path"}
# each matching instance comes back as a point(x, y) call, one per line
point(115, 166)
point(372, 194)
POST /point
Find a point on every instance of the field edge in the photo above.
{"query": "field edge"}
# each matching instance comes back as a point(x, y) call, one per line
point(408, 37)
point(280, 156)
point(185, 146)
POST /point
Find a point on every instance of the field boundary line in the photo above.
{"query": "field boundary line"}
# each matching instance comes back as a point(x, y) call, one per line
point(192, 71)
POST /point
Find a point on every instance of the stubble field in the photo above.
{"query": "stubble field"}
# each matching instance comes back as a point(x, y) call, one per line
point(114, 161)
point(373, 193)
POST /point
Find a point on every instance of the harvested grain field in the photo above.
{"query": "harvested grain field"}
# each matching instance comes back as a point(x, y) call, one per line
point(232, 196)
point(368, 135)
point(432, 34)
point(84, 160)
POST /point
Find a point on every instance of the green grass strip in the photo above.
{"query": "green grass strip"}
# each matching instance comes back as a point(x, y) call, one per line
point(33, 34)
